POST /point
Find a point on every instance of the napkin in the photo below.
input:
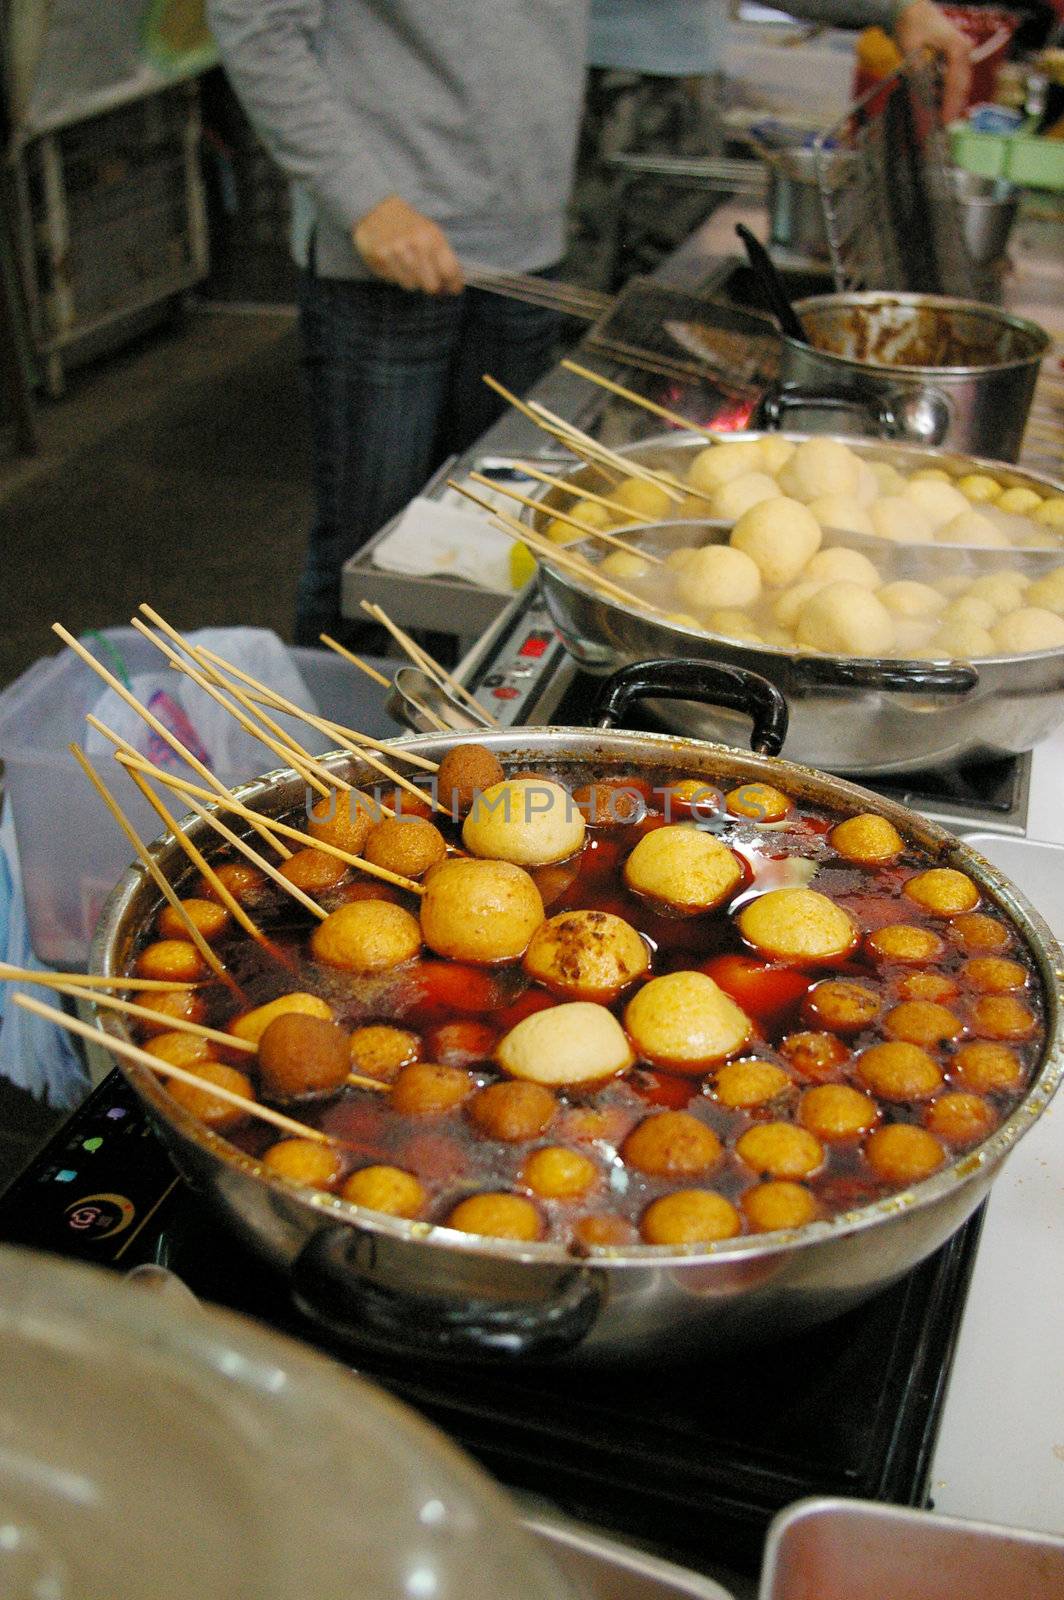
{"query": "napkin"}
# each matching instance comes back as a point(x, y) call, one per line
point(432, 537)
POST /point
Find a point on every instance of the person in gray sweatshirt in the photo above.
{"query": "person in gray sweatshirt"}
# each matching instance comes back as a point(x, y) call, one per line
point(423, 138)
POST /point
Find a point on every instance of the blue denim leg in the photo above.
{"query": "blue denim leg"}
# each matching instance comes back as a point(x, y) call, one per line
point(513, 342)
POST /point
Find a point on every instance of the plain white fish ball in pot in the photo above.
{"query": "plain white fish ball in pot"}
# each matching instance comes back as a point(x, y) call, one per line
point(780, 536)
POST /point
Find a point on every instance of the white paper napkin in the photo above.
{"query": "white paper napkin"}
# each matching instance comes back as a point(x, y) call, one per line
point(432, 537)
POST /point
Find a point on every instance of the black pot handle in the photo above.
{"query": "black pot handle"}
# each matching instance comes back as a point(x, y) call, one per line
point(330, 1288)
point(711, 681)
point(892, 677)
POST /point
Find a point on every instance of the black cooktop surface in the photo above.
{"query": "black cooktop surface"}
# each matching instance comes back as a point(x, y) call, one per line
point(693, 1459)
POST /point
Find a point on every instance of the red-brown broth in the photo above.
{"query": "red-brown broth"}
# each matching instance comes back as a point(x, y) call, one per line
point(453, 1159)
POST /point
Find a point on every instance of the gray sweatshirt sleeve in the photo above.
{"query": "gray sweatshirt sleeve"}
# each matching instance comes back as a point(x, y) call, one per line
point(854, 14)
point(314, 137)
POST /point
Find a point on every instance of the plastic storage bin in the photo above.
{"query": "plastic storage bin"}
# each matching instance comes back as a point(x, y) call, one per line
point(1029, 159)
point(71, 851)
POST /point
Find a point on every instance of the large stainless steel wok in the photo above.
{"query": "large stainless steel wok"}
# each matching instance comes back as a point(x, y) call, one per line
point(847, 715)
point(414, 1288)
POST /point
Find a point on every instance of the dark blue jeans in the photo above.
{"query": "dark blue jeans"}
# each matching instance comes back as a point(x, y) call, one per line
point(394, 386)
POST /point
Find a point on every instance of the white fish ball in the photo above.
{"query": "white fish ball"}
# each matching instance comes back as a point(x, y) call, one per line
point(867, 483)
point(964, 641)
point(841, 565)
point(969, 609)
point(842, 619)
point(679, 558)
point(734, 624)
point(1002, 590)
point(786, 607)
point(888, 478)
point(1020, 500)
point(897, 517)
point(907, 598)
point(774, 452)
point(625, 564)
point(780, 535)
point(718, 575)
point(819, 467)
point(718, 464)
point(841, 511)
point(1029, 628)
point(940, 501)
point(1047, 591)
point(732, 499)
point(972, 527)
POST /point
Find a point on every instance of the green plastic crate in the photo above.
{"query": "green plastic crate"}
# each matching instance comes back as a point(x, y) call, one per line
point(1029, 159)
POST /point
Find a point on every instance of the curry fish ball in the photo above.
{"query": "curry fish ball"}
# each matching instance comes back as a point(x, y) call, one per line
point(389, 1189)
point(780, 1150)
point(513, 1112)
point(208, 918)
point(778, 1204)
point(786, 606)
point(672, 1144)
point(466, 771)
point(844, 619)
point(187, 1005)
point(1019, 500)
point(625, 564)
point(922, 1022)
point(942, 891)
point(244, 882)
point(729, 502)
point(819, 467)
point(586, 955)
point(897, 517)
point(580, 1042)
point(841, 1005)
point(749, 1083)
point(979, 487)
point(179, 1049)
point(210, 1108)
point(313, 871)
point(251, 1025)
point(906, 598)
point(303, 1056)
point(841, 512)
point(987, 1067)
point(557, 1173)
point(366, 936)
point(867, 839)
point(684, 1022)
point(648, 501)
point(780, 536)
point(690, 1216)
point(343, 819)
point(380, 1051)
point(758, 801)
point(939, 501)
point(972, 527)
point(480, 911)
point(903, 1153)
point(497, 1216)
point(904, 942)
point(898, 1070)
point(963, 641)
point(960, 1119)
point(1028, 629)
point(1050, 514)
point(684, 867)
point(317, 1166)
point(975, 931)
point(836, 1113)
point(427, 1089)
point(718, 576)
point(994, 974)
point(838, 565)
point(797, 925)
point(1002, 1016)
point(719, 464)
point(173, 960)
point(407, 845)
point(528, 821)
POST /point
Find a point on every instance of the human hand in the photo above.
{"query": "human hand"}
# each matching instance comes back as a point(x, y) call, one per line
point(401, 246)
point(922, 24)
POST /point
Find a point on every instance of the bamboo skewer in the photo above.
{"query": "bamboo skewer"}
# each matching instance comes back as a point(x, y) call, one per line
point(560, 556)
point(572, 488)
point(356, 661)
point(257, 860)
point(90, 980)
point(565, 434)
point(132, 1052)
point(282, 751)
point(630, 469)
point(147, 716)
point(563, 516)
point(330, 779)
point(368, 1083)
point(427, 663)
point(199, 1030)
point(229, 803)
point(152, 867)
point(428, 713)
point(640, 400)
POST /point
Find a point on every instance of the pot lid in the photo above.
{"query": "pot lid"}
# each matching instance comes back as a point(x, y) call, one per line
point(150, 1451)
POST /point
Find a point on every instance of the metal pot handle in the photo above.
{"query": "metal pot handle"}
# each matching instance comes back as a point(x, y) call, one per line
point(916, 415)
point(711, 681)
point(893, 677)
point(329, 1287)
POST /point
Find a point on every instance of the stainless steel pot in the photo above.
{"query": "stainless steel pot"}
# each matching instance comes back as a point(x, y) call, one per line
point(847, 715)
point(924, 368)
point(796, 210)
point(425, 1291)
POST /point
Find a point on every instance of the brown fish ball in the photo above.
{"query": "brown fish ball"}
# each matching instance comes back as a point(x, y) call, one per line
point(513, 1112)
point(313, 871)
point(995, 975)
point(557, 1173)
point(942, 891)
point(987, 1067)
point(252, 1025)
point(749, 1083)
point(837, 1113)
point(466, 771)
point(187, 1005)
point(977, 932)
point(480, 911)
point(244, 882)
point(427, 1089)
point(343, 819)
point(922, 1022)
point(305, 1161)
point(903, 1153)
point(366, 936)
point(586, 955)
point(780, 1150)
point(380, 1051)
point(841, 1005)
point(815, 1056)
point(927, 986)
point(904, 942)
point(389, 1189)
point(778, 1204)
point(211, 1109)
point(497, 1216)
point(690, 1216)
point(1002, 1016)
point(683, 867)
point(407, 845)
point(960, 1119)
point(760, 802)
point(181, 1049)
point(867, 839)
point(302, 1057)
point(672, 1144)
point(797, 925)
point(173, 960)
point(208, 918)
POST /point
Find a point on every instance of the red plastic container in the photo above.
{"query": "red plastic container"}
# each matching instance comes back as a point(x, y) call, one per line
point(991, 34)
